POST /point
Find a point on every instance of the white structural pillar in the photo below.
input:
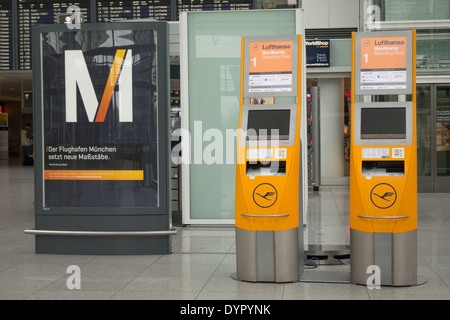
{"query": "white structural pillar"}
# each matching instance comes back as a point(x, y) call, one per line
point(331, 127)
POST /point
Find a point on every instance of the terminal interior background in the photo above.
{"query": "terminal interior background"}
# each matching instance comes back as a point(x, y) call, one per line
point(203, 257)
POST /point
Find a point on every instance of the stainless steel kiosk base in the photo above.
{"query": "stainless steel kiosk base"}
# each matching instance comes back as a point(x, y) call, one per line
point(268, 256)
point(394, 253)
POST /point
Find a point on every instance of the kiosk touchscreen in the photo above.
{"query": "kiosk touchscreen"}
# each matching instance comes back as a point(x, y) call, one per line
point(268, 173)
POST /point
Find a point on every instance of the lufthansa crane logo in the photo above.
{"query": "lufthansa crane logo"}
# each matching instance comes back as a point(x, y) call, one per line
point(265, 195)
point(383, 196)
point(366, 42)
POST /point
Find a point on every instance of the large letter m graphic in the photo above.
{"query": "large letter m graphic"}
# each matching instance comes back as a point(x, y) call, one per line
point(77, 74)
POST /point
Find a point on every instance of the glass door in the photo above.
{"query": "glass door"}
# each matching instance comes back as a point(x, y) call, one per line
point(433, 138)
point(425, 181)
point(442, 133)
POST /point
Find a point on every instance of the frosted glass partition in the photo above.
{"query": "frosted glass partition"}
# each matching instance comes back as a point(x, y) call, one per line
point(214, 65)
point(341, 53)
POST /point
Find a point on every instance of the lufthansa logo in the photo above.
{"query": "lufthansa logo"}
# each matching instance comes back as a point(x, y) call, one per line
point(265, 195)
point(255, 47)
point(366, 42)
point(383, 196)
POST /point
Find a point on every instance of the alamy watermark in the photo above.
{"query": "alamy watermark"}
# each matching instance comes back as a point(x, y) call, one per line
point(374, 280)
point(73, 17)
point(215, 146)
point(372, 16)
point(74, 280)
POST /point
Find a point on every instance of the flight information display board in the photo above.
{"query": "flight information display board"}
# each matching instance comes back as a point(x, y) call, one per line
point(128, 10)
point(33, 12)
point(6, 46)
point(213, 5)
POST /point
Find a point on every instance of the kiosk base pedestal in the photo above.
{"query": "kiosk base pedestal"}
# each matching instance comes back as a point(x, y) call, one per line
point(103, 245)
point(268, 256)
point(394, 253)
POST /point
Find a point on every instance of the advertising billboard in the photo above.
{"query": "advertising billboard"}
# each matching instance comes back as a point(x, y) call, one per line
point(102, 116)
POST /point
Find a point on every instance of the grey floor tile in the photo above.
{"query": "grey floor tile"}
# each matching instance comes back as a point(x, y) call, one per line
point(203, 244)
point(225, 270)
point(325, 291)
point(104, 271)
point(164, 269)
point(8, 260)
point(145, 260)
point(60, 259)
point(221, 232)
point(211, 295)
point(154, 295)
point(229, 284)
point(15, 294)
point(203, 261)
point(325, 296)
point(167, 284)
point(38, 271)
point(109, 285)
point(433, 287)
point(27, 283)
point(71, 295)
point(192, 258)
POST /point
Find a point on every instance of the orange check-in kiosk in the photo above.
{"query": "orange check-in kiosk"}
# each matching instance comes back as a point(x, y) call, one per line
point(267, 218)
point(383, 166)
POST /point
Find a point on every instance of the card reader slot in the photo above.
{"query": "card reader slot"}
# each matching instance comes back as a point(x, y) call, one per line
point(266, 168)
point(383, 168)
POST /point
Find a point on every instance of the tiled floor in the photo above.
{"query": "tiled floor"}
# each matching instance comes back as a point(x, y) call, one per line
point(203, 258)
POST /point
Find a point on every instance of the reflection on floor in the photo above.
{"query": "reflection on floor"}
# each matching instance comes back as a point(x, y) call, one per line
point(203, 257)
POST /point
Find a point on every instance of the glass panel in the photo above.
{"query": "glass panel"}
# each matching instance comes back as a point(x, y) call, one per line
point(214, 93)
point(433, 50)
point(274, 4)
point(100, 119)
point(340, 53)
point(404, 10)
point(423, 129)
point(443, 131)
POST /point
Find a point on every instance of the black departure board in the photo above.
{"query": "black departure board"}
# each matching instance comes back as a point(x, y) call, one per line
point(127, 10)
point(41, 12)
point(213, 5)
point(6, 38)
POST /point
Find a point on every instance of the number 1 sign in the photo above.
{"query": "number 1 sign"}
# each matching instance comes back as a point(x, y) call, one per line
point(383, 62)
point(270, 66)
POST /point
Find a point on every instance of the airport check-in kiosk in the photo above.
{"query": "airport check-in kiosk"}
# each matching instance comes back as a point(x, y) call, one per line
point(267, 213)
point(383, 168)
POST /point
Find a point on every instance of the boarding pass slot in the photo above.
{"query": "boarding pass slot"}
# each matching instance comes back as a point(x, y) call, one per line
point(266, 168)
point(383, 168)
